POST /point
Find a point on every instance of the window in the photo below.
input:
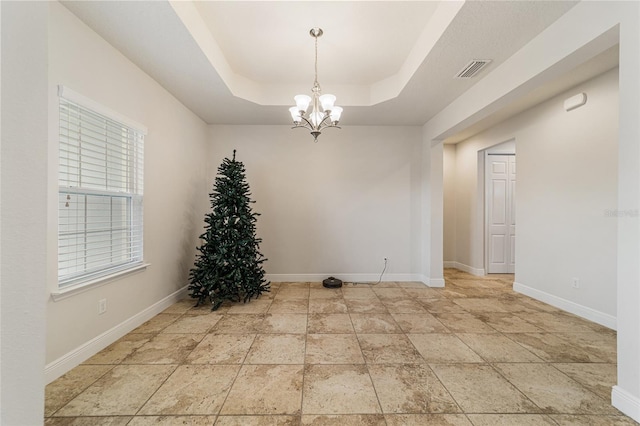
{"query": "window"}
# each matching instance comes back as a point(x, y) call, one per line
point(100, 194)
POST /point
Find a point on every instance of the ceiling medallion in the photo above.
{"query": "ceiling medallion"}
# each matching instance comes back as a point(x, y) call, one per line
point(323, 112)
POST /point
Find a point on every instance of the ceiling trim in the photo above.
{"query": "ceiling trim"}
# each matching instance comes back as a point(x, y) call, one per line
point(391, 87)
point(195, 25)
point(350, 95)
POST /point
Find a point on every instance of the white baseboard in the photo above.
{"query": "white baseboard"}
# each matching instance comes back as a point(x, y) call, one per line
point(436, 282)
point(567, 305)
point(625, 402)
point(423, 279)
point(80, 354)
point(466, 268)
point(351, 278)
point(355, 278)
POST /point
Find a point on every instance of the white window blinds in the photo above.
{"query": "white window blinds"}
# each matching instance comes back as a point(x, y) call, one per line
point(100, 227)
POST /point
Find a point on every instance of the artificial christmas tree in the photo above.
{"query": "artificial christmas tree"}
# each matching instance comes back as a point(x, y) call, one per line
point(229, 265)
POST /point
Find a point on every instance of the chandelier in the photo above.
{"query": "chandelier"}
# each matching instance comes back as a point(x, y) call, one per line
point(323, 112)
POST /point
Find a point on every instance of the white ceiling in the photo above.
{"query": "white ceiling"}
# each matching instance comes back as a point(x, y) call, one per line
point(269, 42)
point(388, 62)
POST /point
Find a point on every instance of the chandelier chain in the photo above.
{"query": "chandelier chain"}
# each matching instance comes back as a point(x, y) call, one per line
point(316, 62)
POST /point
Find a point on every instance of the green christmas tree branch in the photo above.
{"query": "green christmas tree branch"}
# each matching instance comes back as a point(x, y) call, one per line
point(229, 263)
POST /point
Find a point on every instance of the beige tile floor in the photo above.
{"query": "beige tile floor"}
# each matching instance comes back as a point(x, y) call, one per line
point(472, 353)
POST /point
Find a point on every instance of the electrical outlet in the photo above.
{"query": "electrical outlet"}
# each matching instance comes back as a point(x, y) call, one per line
point(575, 282)
point(102, 306)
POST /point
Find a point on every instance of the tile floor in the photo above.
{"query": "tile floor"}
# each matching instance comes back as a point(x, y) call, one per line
point(472, 353)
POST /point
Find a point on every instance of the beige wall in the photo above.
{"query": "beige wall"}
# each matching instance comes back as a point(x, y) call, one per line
point(567, 182)
point(449, 193)
point(335, 207)
point(23, 211)
point(175, 178)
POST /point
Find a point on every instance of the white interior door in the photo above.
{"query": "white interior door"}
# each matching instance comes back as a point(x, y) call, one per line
point(500, 199)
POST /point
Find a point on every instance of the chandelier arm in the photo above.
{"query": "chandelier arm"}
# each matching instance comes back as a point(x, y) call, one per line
point(329, 127)
point(305, 123)
point(323, 124)
point(327, 119)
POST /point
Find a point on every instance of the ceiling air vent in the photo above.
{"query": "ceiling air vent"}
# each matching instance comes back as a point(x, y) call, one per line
point(472, 68)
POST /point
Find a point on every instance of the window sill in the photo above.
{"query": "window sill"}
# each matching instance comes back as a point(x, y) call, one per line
point(90, 285)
